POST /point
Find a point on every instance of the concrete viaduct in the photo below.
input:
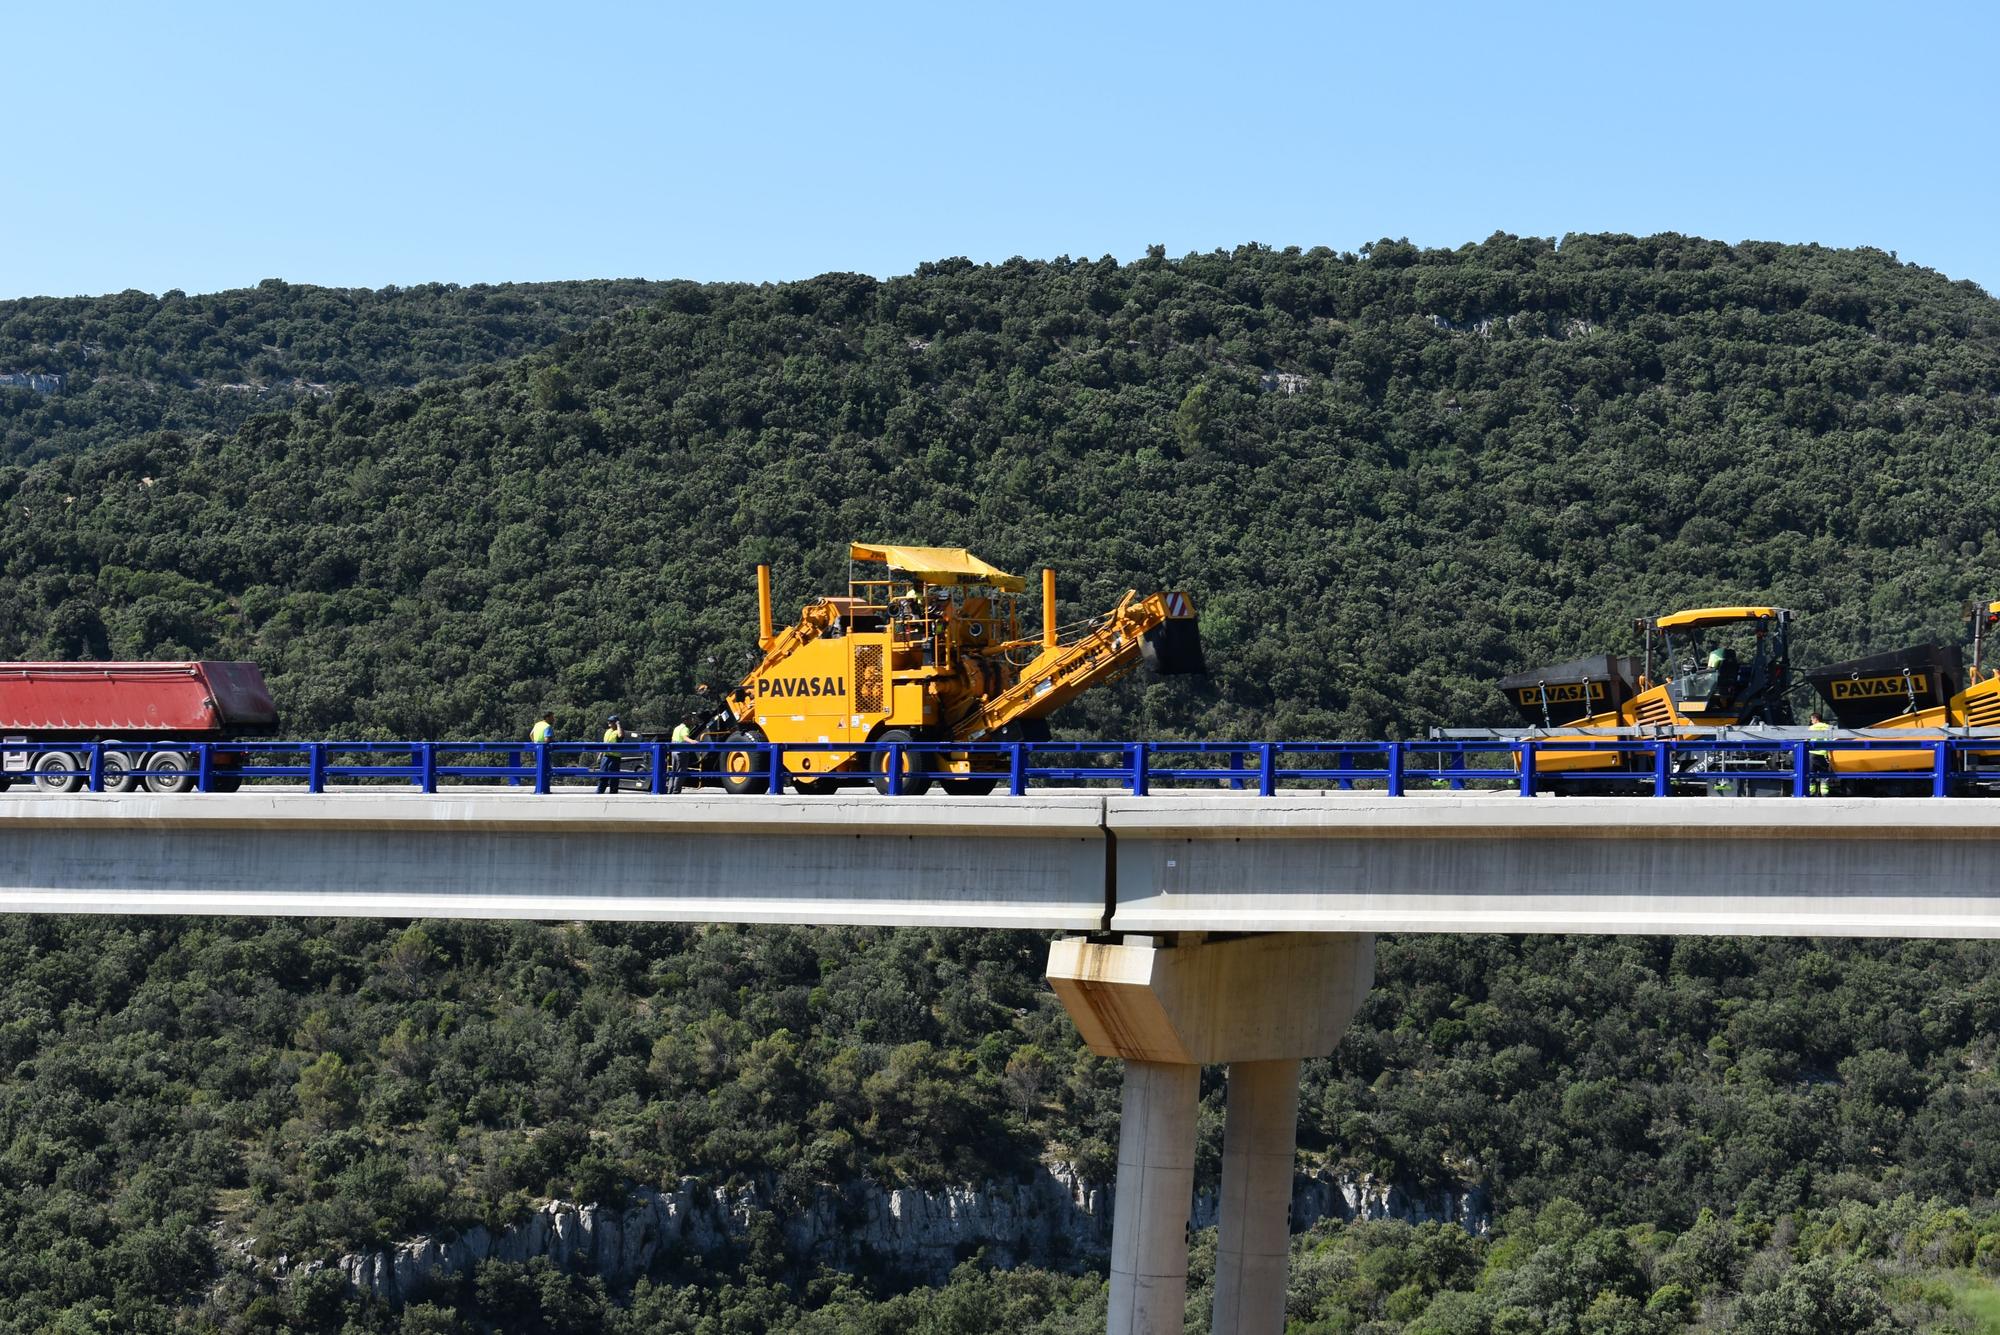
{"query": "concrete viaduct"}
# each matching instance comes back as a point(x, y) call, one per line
point(1192, 929)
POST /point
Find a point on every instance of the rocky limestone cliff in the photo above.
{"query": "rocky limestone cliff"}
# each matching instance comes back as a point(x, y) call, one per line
point(1053, 1219)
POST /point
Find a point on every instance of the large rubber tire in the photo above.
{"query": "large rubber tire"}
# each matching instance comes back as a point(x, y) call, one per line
point(744, 772)
point(57, 760)
point(225, 783)
point(817, 787)
point(118, 767)
point(916, 774)
point(1024, 730)
point(1020, 730)
point(170, 772)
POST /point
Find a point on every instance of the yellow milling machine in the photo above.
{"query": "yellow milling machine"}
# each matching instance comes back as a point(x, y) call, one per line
point(927, 646)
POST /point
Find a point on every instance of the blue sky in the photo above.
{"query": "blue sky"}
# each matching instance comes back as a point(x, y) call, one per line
point(205, 146)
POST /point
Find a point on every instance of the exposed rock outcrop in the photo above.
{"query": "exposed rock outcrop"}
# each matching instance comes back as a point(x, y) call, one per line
point(1055, 1218)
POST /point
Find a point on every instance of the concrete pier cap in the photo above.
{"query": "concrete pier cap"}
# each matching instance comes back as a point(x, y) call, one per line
point(1167, 1006)
point(1200, 1000)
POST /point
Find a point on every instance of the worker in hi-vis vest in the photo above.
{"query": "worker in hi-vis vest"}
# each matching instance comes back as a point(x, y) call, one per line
point(614, 732)
point(544, 729)
point(1822, 761)
point(683, 736)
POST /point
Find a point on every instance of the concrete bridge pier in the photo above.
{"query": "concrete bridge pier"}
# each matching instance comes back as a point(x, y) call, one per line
point(1167, 1006)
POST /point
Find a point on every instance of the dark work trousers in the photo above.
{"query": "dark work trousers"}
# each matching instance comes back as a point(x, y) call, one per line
point(680, 760)
point(610, 766)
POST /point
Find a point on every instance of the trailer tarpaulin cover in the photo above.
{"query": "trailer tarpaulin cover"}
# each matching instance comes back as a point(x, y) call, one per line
point(136, 698)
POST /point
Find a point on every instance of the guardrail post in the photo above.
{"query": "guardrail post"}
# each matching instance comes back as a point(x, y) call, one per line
point(204, 767)
point(1139, 777)
point(894, 768)
point(541, 769)
point(1662, 755)
point(315, 767)
point(513, 762)
point(1236, 771)
point(777, 788)
point(1941, 767)
point(1017, 768)
point(1801, 770)
point(1267, 770)
point(427, 769)
point(97, 767)
point(1395, 769)
point(659, 768)
point(1527, 768)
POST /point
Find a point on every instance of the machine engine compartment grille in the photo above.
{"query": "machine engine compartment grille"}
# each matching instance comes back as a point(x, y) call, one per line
point(868, 679)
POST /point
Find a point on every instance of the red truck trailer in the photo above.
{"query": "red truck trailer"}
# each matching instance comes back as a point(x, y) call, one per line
point(139, 704)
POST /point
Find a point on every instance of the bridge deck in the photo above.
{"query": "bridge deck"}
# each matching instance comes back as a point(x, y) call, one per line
point(1074, 862)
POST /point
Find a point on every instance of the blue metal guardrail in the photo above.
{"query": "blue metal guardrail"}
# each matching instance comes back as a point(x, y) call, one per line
point(1660, 767)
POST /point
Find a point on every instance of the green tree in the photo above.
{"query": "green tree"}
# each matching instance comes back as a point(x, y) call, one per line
point(327, 1092)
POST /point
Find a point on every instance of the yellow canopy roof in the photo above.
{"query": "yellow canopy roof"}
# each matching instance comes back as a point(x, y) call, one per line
point(1697, 617)
point(938, 565)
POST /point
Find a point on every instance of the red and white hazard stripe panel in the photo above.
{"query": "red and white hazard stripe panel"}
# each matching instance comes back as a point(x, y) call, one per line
point(1179, 605)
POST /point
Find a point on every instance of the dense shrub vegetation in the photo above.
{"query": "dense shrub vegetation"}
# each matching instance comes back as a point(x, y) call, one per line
point(1706, 1114)
point(1488, 457)
point(133, 363)
point(1388, 478)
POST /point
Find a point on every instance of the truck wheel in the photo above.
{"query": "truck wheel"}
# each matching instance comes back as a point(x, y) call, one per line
point(49, 782)
point(118, 775)
point(816, 787)
point(916, 774)
point(1025, 730)
point(745, 772)
point(170, 772)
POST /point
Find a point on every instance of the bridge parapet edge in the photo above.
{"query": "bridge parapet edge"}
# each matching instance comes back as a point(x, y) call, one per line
point(1034, 816)
point(1503, 815)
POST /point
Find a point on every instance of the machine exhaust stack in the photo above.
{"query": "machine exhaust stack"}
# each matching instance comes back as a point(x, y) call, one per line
point(1048, 609)
point(765, 633)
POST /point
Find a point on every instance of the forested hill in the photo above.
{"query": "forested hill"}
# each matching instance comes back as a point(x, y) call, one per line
point(79, 371)
point(1388, 478)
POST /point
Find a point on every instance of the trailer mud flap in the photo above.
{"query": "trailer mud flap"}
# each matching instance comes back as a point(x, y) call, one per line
point(1173, 648)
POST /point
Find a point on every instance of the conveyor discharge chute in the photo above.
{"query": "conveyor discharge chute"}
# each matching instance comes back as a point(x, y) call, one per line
point(1173, 648)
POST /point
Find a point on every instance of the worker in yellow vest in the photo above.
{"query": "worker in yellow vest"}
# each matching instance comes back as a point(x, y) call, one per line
point(1822, 761)
point(684, 735)
point(614, 732)
point(544, 730)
